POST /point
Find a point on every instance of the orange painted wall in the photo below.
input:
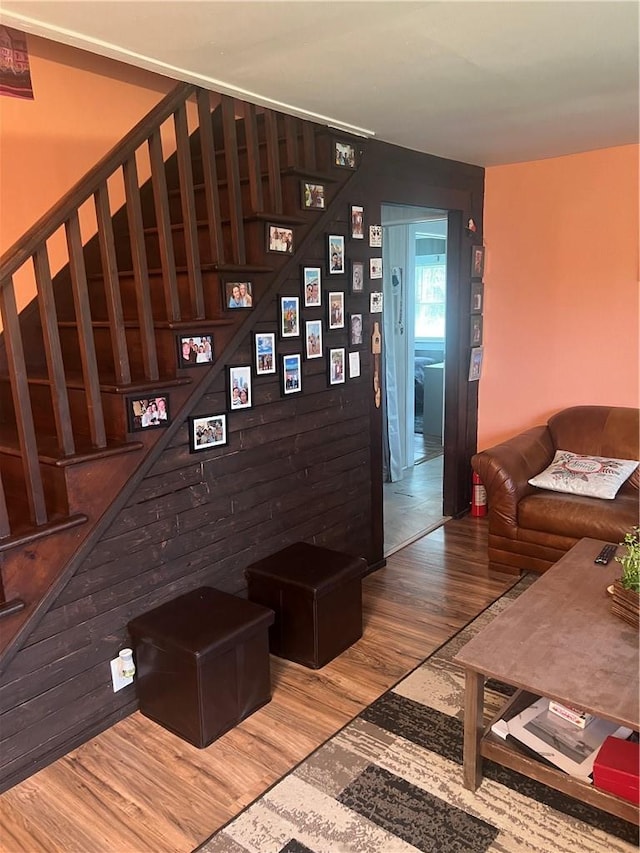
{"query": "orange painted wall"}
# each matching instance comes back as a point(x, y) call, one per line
point(561, 289)
point(83, 105)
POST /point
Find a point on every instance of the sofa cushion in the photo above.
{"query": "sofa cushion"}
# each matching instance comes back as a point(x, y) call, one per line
point(578, 474)
point(576, 516)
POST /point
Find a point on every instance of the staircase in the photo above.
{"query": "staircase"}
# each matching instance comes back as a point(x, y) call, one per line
point(148, 239)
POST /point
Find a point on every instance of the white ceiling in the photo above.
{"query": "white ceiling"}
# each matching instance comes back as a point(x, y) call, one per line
point(482, 82)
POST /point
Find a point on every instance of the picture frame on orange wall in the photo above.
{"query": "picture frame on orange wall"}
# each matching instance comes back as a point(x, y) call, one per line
point(475, 364)
point(477, 261)
point(477, 297)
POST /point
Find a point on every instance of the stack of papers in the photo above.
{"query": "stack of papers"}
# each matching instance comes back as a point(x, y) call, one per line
point(559, 741)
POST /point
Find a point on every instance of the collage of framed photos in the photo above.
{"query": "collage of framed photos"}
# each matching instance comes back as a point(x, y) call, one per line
point(476, 309)
point(327, 319)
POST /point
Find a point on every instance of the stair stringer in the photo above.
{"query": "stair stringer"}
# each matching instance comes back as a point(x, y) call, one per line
point(16, 628)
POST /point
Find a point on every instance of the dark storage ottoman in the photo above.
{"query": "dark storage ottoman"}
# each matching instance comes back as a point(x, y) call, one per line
point(202, 663)
point(316, 594)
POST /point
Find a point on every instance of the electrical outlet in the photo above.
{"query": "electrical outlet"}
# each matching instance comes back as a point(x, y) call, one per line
point(118, 679)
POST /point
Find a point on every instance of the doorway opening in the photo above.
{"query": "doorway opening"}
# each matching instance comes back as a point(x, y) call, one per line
point(414, 357)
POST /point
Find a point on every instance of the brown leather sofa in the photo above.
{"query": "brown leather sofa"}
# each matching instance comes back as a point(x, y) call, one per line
point(530, 528)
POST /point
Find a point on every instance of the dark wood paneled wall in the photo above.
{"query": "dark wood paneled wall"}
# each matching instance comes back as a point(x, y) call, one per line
point(306, 466)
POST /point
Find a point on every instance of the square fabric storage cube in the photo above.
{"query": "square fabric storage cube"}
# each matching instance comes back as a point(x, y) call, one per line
point(316, 594)
point(202, 663)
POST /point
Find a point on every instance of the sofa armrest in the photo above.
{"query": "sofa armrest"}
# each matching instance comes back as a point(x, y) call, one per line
point(504, 471)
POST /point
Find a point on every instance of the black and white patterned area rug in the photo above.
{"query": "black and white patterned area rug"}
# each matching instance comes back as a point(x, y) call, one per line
point(391, 782)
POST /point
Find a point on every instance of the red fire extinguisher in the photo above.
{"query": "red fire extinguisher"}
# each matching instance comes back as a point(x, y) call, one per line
point(478, 497)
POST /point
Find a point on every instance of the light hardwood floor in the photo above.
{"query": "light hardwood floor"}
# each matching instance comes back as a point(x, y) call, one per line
point(136, 788)
point(413, 506)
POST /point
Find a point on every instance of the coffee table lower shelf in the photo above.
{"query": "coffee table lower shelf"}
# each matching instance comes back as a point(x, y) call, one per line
point(495, 749)
point(508, 755)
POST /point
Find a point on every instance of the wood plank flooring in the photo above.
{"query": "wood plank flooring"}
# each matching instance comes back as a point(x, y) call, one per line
point(413, 505)
point(136, 788)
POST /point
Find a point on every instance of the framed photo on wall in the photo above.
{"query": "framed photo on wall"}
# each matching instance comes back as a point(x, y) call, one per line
point(289, 317)
point(477, 297)
point(336, 310)
point(375, 267)
point(335, 250)
point(475, 364)
point(477, 261)
point(147, 413)
point(313, 339)
point(375, 236)
point(356, 337)
point(265, 353)
point(279, 239)
point(375, 302)
point(238, 294)
point(344, 155)
point(312, 196)
point(311, 287)
point(357, 277)
point(336, 365)
point(356, 216)
point(207, 431)
point(194, 350)
point(291, 374)
point(240, 387)
point(475, 332)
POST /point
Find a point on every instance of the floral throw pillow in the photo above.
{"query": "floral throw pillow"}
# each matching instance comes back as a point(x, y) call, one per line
point(592, 476)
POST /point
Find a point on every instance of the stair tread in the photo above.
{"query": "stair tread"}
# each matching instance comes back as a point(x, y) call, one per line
point(109, 385)
point(49, 451)
point(158, 324)
point(25, 533)
point(247, 268)
point(256, 216)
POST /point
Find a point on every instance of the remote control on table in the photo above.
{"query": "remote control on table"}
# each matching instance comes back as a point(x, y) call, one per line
point(605, 556)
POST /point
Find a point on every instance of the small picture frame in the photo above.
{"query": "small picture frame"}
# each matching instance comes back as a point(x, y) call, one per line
point(375, 236)
point(291, 374)
point(375, 268)
point(345, 155)
point(240, 387)
point(311, 287)
point(475, 364)
point(477, 297)
point(477, 261)
point(313, 339)
point(356, 217)
point(336, 365)
point(375, 302)
point(207, 431)
point(312, 195)
point(194, 350)
point(147, 412)
point(238, 294)
point(475, 332)
point(265, 353)
point(357, 277)
point(335, 254)
point(280, 239)
point(354, 365)
point(336, 309)
point(289, 317)
point(356, 331)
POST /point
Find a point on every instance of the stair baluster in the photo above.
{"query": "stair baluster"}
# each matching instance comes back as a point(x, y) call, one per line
point(190, 224)
point(53, 352)
point(163, 221)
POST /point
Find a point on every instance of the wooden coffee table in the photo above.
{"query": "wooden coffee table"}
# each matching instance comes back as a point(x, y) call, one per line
point(559, 640)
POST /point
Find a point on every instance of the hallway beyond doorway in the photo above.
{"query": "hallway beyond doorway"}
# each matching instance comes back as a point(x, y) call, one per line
point(413, 506)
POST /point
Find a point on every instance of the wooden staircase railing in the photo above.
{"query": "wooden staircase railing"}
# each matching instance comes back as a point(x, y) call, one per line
point(128, 273)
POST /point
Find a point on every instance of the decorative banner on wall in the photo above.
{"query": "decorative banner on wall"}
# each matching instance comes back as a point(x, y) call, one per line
point(15, 77)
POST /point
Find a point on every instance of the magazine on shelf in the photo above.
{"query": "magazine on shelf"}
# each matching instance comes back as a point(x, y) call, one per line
point(558, 741)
